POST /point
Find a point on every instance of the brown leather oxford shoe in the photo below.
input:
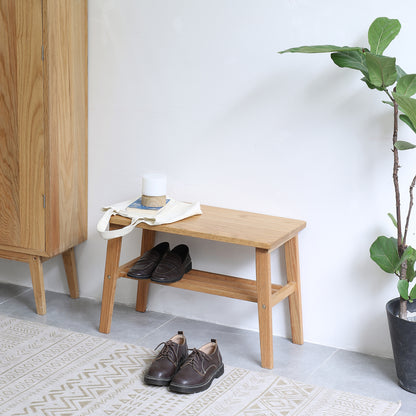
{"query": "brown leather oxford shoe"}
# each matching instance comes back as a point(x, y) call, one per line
point(168, 361)
point(147, 263)
point(173, 265)
point(199, 369)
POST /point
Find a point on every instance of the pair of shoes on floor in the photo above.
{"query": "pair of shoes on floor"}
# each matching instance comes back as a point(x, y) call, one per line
point(185, 373)
point(163, 265)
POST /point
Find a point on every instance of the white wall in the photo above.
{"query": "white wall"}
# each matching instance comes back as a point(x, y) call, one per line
point(196, 89)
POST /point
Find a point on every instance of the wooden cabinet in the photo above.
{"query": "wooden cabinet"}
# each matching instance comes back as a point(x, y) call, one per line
point(43, 134)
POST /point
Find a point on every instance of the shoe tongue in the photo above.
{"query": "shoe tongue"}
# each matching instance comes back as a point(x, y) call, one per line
point(169, 349)
point(199, 353)
point(196, 358)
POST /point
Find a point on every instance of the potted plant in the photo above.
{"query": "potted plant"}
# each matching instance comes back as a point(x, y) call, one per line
point(393, 254)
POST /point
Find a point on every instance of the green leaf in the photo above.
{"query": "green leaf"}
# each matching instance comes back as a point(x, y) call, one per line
point(393, 220)
point(370, 85)
point(407, 105)
point(321, 49)
point(403, 288)
point(412, 294)
point(405, 119)
point(409, 253)
point(402, 145)
point(381, 70)
point(409, 256)
point(406, 85)
point(384, 252)
point(400, 72)
point(350, 59)
point(388, 103)
point(381, 32)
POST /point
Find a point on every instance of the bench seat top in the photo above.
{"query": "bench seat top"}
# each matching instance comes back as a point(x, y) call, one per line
point(230, 226)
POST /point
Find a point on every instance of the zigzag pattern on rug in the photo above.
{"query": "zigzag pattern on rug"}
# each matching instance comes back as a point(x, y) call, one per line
point(56, 372)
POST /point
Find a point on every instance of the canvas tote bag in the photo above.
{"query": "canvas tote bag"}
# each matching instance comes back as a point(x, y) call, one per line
point(173, 211)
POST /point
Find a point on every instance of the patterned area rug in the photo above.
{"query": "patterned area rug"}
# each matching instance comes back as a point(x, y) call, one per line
point(51, 371)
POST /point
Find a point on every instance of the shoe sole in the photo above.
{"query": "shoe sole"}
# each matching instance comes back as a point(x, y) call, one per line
point(187, 269)
point(198, 388)
point(138, 277)
point(156, 381)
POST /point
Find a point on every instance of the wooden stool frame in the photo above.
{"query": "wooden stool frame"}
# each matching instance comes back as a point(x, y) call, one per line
point(262, 232)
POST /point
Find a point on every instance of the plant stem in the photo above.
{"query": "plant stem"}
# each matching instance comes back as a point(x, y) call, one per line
point(403, 303)
point(400, 240)
point(396, 180)
point(412, 185)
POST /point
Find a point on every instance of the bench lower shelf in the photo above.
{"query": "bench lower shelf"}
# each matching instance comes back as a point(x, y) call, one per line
point(220, 284)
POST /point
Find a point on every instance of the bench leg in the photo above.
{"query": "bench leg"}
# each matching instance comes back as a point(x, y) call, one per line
point(295, 301)
point(264, 304)
point(71, 272)
point(36, 272)
point(148, 242)
point(110, 280)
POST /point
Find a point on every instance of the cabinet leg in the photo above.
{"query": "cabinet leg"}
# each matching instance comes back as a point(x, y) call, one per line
point(71, 272)
point(36, 272)
point(110, 280)
point(295, 301)
point(264, 294)
point(148, 242)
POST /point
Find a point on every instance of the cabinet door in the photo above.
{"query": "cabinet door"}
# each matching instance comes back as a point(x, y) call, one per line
point(65, 85)
point(22, 215)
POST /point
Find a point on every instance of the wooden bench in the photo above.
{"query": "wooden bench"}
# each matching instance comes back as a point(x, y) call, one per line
point(265, 233)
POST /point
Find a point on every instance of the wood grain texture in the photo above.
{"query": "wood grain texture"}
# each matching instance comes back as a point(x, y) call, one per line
point(21, 125)
point(264, 306)
point(43, 134)
point(109, 286)
point(211, 283)
point(43, 125)
point(263, 232)
point(31, 124)
point(148, 241)
point(36, 271)
point(65, 40)
point(231, 226)
point(9, 160)
point(16, 255)
point(282, 293)
point(295, 299)
point(71, 272)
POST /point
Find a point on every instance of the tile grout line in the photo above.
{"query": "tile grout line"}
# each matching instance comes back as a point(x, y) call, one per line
point(160, 326)
point(15, 296)
point(323, 363)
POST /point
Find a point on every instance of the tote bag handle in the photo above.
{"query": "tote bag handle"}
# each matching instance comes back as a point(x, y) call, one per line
point(104, 222)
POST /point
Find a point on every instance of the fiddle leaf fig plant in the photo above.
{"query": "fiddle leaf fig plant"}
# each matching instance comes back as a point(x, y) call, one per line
point(381, 72)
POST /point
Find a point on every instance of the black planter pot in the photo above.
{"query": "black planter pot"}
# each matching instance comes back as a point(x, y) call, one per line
point(403, 340)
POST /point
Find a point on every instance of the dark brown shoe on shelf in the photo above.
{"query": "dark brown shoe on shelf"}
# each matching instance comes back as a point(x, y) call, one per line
point(147, 263)
point(168, 361)
point(173, 265)
point(199, 369)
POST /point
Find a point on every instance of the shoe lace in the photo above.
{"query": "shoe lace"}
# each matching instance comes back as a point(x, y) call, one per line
point(168, 351)
point(195, 358)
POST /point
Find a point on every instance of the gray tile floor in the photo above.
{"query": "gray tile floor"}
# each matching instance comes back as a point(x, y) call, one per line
point(310, 363)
